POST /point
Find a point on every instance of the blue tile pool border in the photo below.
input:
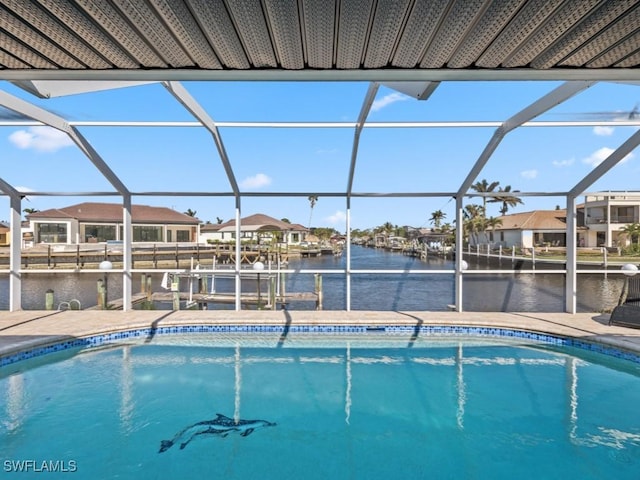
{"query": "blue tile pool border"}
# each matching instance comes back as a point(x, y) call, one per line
point(425, 330)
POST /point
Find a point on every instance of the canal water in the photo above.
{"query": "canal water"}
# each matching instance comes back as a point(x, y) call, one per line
point(520, 292)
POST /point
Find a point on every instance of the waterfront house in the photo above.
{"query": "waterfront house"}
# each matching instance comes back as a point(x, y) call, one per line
point(607, 215)
point(257, 228)
point(93, 222)
point(536, 228)
point(5, 234)
point(600, 220)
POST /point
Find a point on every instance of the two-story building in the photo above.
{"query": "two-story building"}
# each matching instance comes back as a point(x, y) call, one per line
point(93, 222)
point(606, 215)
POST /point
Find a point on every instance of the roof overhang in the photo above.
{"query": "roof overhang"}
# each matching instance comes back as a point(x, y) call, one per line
point(307, 40)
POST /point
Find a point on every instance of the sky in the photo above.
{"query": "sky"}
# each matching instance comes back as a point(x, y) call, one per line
point(317, 160)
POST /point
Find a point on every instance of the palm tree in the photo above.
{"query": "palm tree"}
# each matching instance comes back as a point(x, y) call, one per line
point(472, 211)
point(191, 213)
point(473, 226)
point(506, 200)
point(312, 203)
point(437, 217)
point(484, 187)
point(492, 222)
point(632, 230)
point(29, 211)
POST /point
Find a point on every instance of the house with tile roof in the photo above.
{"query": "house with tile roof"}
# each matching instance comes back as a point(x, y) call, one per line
point(257, 228)
point(5, 234)
point(537, 228)
point(600, 221)
point(93, 222)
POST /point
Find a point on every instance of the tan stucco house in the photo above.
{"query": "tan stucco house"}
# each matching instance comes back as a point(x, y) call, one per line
point(254, 228)
point(93, 222)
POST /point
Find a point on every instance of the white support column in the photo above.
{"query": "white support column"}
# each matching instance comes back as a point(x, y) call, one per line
point(348, 266)
point(571, 281)
point(459, 249)
point(15, 278)
point(127, 264)
point(238, 265)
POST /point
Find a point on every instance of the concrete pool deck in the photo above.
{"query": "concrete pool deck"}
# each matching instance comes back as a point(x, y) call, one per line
point(24, 330)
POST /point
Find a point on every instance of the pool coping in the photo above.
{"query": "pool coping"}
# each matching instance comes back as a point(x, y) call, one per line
point(26, 332)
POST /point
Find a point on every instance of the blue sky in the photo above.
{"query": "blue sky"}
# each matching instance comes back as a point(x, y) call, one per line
point(317, 160)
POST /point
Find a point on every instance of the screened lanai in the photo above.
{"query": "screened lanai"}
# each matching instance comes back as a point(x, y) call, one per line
point(72, 65)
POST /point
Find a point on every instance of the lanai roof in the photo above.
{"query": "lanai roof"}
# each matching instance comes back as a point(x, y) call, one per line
point(159, 38)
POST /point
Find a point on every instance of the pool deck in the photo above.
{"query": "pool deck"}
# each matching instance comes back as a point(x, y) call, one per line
point(25, 330)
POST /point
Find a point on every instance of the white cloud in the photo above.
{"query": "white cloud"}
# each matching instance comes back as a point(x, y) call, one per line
point(603, 131)
point(338, 217)
point(326, 151)
point(41, 139)
point(530, 174)
point(388, 100)
point(563, 163)
point(257, 181)
point(597, 157)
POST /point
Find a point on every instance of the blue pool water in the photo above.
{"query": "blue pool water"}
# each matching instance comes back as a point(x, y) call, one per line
point(344, 407)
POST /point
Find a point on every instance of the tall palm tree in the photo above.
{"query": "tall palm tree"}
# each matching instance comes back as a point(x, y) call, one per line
point(484, 187)
point(437, 217)
point(507, 201)
point(313, 199)
point(191, 213)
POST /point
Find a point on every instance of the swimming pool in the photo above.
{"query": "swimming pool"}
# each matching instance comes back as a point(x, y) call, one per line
point(343, 405)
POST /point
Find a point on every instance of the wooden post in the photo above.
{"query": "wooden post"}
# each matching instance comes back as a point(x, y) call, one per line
point(143, 284)
point(77, 255)
point(149, 288)
point(49, 256)
point(533, 256)
point(177, 259)
point(175, 289)
point(272, 292)
point(102, 294)
point(155, 258)
point(318, 290)
point(48, 300)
